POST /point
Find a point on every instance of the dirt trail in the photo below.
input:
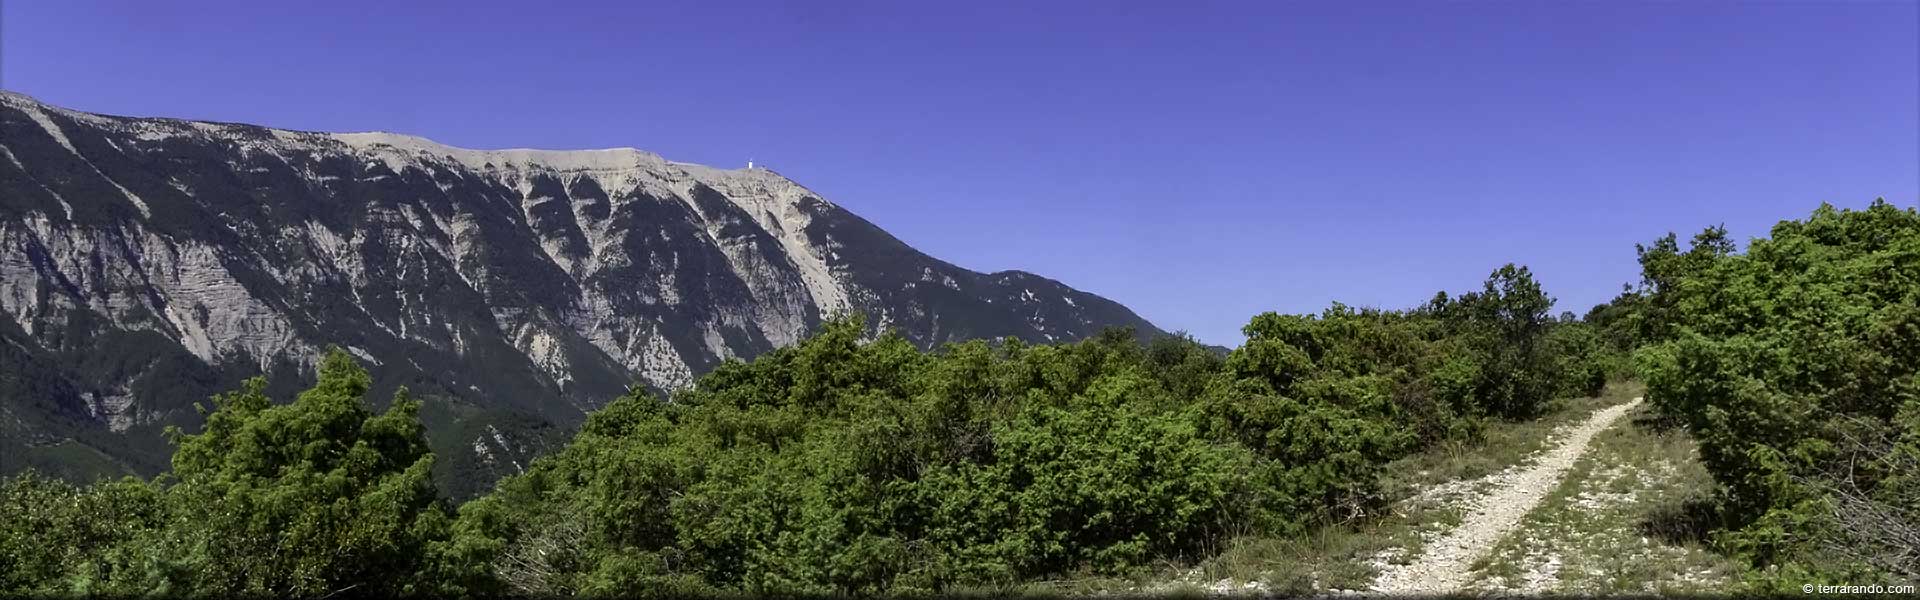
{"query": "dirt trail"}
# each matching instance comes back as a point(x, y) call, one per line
point(1446, 563)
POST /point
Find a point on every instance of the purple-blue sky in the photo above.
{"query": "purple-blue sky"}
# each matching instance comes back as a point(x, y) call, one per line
point(1199, 162)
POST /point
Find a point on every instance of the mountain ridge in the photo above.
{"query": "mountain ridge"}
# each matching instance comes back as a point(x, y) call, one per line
point(529, 285)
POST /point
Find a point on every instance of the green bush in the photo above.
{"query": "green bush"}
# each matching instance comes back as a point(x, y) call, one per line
point(307, 499)
point(56, 537)
point(1793, 364)
point(1582, 360)
point(840, 466)
point(1504, 328)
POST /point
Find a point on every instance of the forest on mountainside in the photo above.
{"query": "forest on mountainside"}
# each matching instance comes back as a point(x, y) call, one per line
point(845, 464)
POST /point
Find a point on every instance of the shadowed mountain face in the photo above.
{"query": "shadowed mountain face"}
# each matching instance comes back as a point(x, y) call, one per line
point(146, 264)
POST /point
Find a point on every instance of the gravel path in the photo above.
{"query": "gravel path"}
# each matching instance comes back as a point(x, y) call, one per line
point(1447, 563)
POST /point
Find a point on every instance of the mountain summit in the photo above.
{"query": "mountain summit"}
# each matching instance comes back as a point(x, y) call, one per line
point(146, 264)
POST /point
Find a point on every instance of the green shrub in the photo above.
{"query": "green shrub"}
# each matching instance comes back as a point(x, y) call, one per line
point(841, 466)
point(307, 499)
point(1791, 364)
point(57, 538)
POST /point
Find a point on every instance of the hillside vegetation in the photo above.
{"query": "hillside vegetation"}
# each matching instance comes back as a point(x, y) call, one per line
point(840, 464)
point(845, 464)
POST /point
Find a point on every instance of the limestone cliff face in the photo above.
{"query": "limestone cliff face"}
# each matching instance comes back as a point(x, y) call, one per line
point(147, 263)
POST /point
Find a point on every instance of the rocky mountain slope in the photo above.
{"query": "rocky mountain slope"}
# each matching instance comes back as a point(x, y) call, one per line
point(146, 264)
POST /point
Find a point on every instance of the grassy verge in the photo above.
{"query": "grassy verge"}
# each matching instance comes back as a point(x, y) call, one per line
point(1611, 526)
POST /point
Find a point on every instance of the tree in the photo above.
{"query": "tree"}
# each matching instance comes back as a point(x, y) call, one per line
point(1504, 326)
point(312, 498)
point(1795, 366)
point(58, 538)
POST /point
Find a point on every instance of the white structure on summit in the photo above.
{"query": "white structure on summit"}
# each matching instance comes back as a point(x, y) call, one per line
point(749, 163)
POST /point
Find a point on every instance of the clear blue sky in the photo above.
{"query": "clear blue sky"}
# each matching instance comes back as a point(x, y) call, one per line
point(1199, 162)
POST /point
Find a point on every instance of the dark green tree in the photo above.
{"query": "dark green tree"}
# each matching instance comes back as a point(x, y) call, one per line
point(1793, 364)
point(309, 499)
